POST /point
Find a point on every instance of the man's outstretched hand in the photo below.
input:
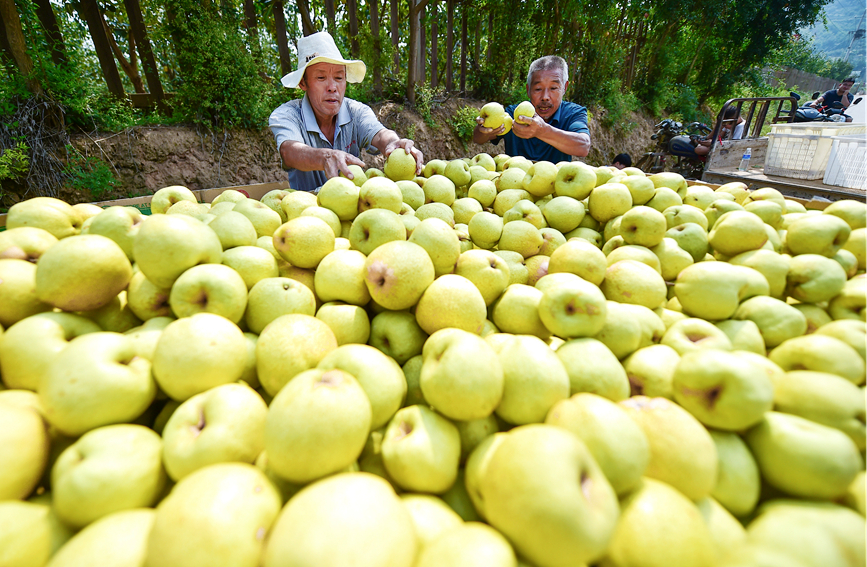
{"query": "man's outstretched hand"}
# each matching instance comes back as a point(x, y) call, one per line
point(409, 147)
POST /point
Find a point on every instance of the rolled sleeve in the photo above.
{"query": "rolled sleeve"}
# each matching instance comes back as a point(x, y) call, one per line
point(367, 126)
point(286, 123)
point(579, 122)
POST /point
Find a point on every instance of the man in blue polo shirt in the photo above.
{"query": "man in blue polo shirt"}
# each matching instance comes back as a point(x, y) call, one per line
point(557, 131)
point(321, 135)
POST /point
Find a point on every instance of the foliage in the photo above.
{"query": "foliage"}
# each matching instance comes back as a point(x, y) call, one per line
point(618, 106)
point(89, 174)
point(801, 53)
point(14, 161)
point(424, 101)
point(464, 122)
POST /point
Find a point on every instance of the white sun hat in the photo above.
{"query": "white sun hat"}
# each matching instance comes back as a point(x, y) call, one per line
point(320, 48)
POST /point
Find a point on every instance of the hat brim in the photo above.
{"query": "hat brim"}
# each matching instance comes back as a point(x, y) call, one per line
point(355, 71)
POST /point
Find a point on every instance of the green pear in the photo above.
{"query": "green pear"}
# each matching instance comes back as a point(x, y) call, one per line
point(379, 376)
point(777, 321)
point(421, 450)
point(295, 202)
point(431, 517)
point(543, 490)
point(535, 379)
point(204, 519)
point(375, 227)
point(738, 482)
point(521, 237)
point(737, 232)
point(693, 334)
point(272, 297)
point(47, 213)
point(25, 243)
point(120, 224)
point(672, 258)
point(641, 187)
point(119, 538)
point(451, 301)
point(209, 288)
point(397, 334)
point(663, 198)
point(817, 234)
point(340, 277)
point(628, 328)
point(96, 380)
point(302, 443)
point(850, 332)
point(439, 189)
point(461, 376)
point(441, 243)
point(718, 208)
point(691, 237)
point(113, 468)
point(397, 274)
point(233, 229)
point(629, 281)
point(739, 190)
point(146, 300)
point(468, 545)
point(24, 449)
point(191, 242)
point(30, 533)
point(673, 181)
point(374, 527)
point(434, 167)
point(660, 527)
point(769, 211)
point(608, 201)
point(823, 398)
point(82, 273)
point(682, 452)
point(581, 258)
point(474, 432)
point(487, 271)
point(715, 290)
point(727, 533)
point(349, 323)
point(650, 371)
point(289, 345)
point(517, 311)
point(223, 424)
point(304, 241)
point(252, 263)
point(682, 214)
point(340, 195)
point(743, 335)
point(570, 306)
point(814, 279)
point(803, 458)
point(574, 179)
point(18, 292)
point(399, 165)
point(539, 179)
point(850, 302)
point(616, 442)
point(820, 353)
point(851, 211)
point(605, 377)
point(724, 392)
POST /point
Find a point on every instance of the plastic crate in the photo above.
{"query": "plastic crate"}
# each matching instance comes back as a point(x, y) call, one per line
point(797, 155)
point(819, 128)
point(847, 164)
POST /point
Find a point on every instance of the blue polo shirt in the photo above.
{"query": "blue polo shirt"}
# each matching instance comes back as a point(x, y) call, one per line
point(356, 127)
point(569, 116)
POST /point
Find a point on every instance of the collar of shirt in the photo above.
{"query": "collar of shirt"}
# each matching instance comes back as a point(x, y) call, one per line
point(312, 125)
point(555, 118)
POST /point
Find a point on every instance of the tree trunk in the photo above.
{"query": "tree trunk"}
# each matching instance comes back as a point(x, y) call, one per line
point(282, 40)
point(395, 36)
point(130, 67)
point(250, 21)
point(434, 53)
point(450, 44)
point(136, 23)
point(45, 13)
point(415, 7)
point(306, 21)
point(422, 45)
point(463, 48)
point(17, 47)
point(477, 47)
point(329, 15)
point(489, 52)
point(89, 11)
point(377, 47)
point(352, 9)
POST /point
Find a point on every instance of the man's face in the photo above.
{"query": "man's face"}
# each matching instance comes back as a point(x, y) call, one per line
point(618, 165)
point(844, 87)
point(325, 85)
point(546, 92)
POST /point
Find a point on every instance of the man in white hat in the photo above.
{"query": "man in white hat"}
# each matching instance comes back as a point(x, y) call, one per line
point(321, 135)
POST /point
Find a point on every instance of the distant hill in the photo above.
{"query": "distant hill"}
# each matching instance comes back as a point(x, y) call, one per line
point(833, 38)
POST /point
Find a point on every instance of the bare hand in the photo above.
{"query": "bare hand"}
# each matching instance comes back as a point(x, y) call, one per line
point(529, 127)
point(336, 162)
point(409, 147)
point(489, 131)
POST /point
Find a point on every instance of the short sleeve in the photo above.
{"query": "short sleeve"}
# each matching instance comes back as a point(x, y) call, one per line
point(578, 121)
point(366, 124)
point(286, 124)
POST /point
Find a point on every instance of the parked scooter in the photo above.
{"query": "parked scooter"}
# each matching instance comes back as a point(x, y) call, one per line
point(673, 140)
point(827, 113)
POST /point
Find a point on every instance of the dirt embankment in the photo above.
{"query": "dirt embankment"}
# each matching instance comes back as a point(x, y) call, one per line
point(147, 158)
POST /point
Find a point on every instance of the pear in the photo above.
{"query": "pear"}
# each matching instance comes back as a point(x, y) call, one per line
point(650, 371)
point(30, 532)
point(397, 274)
point(803, 458)
point(191, 241)
point(581, 258)
point(629, 281)
point(821, 353)
point(431, 517)
point(850, 302)
point(727, 533)
point(113, 468)
point(817, 234)
point(375, 528)
point(682, 452)
point(421, 450)
point(208, 516)
point(850, 332)
point(468, 545)
point(692, 334)
point(605, 377)
point(399, 165)
point(609, 201)
point(24, 448)
point(543, 490)
point(777, 321)
point(573, 307)
point(738, 481)
point(714, 290)
point(116, 539)
point(47, 213)
point(451, 301)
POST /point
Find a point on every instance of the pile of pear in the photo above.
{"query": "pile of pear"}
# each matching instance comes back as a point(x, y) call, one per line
point(495, 363)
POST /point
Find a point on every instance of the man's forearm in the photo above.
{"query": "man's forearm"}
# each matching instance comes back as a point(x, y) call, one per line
point(383, 138)
point(480, 137)
point(302, 157)
point(572, 143)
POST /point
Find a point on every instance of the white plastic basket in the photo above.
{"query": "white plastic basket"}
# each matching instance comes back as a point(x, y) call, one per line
point(847, 164)
point(797, 155)
point(819, 128)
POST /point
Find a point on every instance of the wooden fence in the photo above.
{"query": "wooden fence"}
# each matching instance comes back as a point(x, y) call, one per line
point(805, 82)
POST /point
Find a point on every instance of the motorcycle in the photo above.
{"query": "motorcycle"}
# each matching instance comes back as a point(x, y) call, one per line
point(826, 113)
point(674, 140)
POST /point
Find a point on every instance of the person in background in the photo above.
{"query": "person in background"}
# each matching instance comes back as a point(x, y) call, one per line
point(732, 125)
point(319, 136)
point(621, 161)
point(841, 94)
point(557, 131)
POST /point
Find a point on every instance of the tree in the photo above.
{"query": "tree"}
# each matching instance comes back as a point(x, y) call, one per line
point(15, 41)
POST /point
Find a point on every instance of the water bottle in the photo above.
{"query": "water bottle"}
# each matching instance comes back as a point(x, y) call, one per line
point(745, 160)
